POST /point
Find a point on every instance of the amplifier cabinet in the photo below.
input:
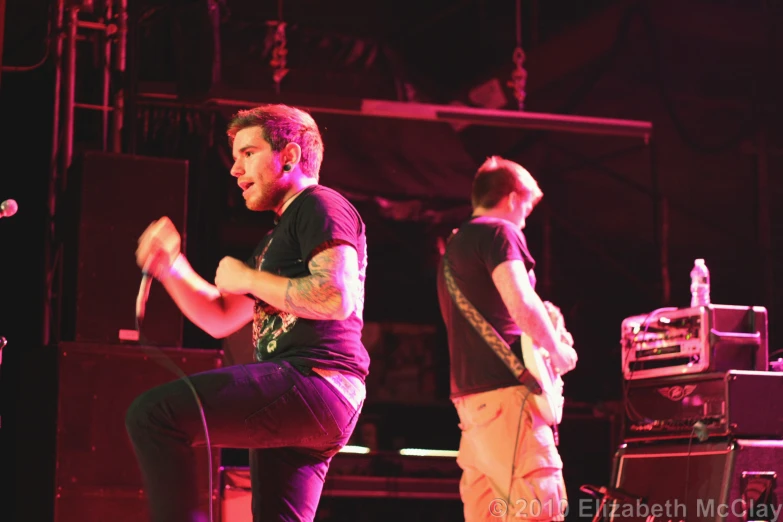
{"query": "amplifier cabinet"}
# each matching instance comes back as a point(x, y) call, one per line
point(723, 481)
point(97, 478)
point(736, 403)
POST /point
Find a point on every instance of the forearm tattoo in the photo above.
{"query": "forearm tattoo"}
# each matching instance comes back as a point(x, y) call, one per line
point(318, 295)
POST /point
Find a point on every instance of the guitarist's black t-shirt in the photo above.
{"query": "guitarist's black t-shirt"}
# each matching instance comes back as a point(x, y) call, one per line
point(480, 245)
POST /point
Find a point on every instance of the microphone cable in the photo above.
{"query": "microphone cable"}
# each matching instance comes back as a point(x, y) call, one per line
point(165, 361)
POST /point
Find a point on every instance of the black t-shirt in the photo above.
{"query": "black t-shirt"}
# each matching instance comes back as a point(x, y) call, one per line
point(317, 218)
point(480, 245)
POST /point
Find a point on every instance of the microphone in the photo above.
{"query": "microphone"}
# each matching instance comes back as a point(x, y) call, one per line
point(144, 293)
point(8, 208)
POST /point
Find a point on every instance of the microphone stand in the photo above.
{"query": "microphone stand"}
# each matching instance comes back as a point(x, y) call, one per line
point(3, 343)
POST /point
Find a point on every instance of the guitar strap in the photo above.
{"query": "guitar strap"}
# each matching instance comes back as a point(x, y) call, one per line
point(488, 333)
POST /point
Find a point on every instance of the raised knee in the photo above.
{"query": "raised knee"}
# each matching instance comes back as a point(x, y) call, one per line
point(139, 414)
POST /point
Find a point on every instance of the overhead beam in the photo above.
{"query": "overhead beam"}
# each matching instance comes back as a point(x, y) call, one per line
point(507, 118)
point(430, 112)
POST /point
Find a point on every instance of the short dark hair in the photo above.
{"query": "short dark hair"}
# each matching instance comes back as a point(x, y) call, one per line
point(282, 125)
point(497, 178)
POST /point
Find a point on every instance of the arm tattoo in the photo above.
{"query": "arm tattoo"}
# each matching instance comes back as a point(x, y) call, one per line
point(318, 295)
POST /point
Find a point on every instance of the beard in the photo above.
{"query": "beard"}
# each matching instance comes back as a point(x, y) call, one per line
point(269, 196)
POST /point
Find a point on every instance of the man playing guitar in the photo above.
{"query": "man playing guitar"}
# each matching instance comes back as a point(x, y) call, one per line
point(511, 466)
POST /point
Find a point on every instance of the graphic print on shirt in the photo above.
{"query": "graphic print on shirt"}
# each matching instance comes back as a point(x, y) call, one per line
point(269, 323)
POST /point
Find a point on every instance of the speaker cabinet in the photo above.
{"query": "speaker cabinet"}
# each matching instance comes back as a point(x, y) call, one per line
point(97, 478)
point(730, 480)
point(119, 196)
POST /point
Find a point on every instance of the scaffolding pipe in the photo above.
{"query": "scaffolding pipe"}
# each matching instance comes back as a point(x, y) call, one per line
point(119, 95)
point(58, 68)
point(51, 256)
point(70, 94)
point(67, 157)
point(95, 26)
point(65, 53)
point(106, 98)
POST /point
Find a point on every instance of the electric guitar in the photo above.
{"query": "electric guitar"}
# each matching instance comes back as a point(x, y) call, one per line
point(550, 402)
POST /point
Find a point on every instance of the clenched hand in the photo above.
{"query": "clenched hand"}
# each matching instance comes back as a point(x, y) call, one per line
point(233, 276)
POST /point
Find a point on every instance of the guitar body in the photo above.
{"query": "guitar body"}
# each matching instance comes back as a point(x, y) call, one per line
point(550, 402)
point(536, 359)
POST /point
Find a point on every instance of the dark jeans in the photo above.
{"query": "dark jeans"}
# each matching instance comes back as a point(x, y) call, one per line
point(292, 423)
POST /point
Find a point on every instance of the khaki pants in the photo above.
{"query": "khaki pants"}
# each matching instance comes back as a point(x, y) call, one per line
point(510, 471)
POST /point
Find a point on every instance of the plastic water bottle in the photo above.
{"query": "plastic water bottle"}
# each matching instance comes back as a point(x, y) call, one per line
point(700, 284)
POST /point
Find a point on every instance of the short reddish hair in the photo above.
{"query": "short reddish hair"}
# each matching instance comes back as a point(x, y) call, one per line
point(282, 125)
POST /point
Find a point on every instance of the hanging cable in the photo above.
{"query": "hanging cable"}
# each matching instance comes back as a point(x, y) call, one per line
point(166, 362)
point(279, 51)
point(518, 80)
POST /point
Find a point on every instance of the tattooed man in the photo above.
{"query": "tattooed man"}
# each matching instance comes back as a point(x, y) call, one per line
point(510, 463)
point(296, 406)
